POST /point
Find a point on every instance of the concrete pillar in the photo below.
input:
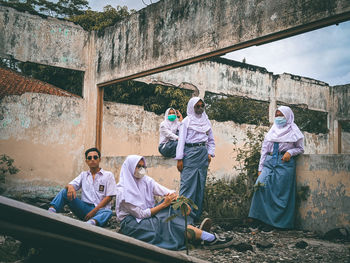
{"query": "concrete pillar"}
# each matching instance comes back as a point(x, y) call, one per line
point(90, 93)
point(273, 101)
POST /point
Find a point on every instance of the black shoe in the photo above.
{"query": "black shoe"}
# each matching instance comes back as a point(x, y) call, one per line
point(206, 224)
point(218, 243)
point(266, 228)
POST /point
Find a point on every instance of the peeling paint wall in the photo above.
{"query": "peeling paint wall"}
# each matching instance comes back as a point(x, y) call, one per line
point(171, 31)
point(47, 41)
point(44, 134)
point(220, 76)
point(328, 203)
point(128, 129)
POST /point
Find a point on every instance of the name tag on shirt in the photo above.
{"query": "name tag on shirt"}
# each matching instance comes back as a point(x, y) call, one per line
point(101, 188)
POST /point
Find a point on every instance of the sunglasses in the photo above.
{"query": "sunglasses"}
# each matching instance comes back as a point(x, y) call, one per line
point(139, 166)
point(199, 106)
point(90, 157)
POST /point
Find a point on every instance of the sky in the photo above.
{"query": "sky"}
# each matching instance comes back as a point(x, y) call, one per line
point(322, 54)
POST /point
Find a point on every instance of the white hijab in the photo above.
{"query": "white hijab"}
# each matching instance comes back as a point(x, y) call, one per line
point(172, 125)
point(288, 133)
point(199, 123)
point(138, 192)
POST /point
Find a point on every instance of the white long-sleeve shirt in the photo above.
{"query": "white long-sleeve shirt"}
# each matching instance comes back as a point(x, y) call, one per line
point(294, 148)
point(137, 212)
point(187, 135)
point(166, 134)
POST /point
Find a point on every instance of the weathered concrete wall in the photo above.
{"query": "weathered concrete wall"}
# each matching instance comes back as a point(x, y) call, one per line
point(47, 41)
point(169, 31)
point(345, 139)
point(328, 205)
point(228, 77)
point(341, 101)
point(220, 76)
point(128, 129)
point(44, 134)
point(300, 90)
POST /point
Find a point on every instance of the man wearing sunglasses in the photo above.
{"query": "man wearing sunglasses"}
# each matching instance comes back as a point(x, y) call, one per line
point(97, 190)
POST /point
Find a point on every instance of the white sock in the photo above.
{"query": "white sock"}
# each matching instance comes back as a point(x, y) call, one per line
point(207, 236)
point(52, 210)
point(92, 222)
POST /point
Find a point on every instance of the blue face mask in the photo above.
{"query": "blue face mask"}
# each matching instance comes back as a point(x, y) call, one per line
point(280, 121)
point(172, 117)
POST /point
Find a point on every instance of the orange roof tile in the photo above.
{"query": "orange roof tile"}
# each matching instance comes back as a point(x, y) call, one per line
point(14, 83)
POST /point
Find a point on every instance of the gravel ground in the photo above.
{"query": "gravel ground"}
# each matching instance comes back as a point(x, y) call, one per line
point(250, 245)
point(276, 246)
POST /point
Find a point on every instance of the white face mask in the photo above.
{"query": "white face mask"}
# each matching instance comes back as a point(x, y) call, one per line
point(140, 172)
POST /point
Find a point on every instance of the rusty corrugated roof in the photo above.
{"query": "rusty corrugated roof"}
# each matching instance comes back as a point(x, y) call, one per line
point(14, 83)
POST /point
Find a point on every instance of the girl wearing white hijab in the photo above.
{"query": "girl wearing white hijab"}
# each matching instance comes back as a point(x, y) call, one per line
point(274, 201)
point(168, 133)
point(194, 151)
point(142, 219)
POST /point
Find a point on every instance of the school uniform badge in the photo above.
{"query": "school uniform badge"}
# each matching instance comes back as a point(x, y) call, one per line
point(101, 188)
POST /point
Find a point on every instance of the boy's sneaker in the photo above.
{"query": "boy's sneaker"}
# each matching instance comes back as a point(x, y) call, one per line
point(51, 210)
point(218, 243)
point(206, 224)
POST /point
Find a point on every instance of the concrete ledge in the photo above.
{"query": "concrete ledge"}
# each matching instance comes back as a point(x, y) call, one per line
point(327, 204)
point(56, 233)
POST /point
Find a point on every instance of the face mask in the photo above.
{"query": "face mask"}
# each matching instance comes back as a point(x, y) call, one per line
point(199, 111)
point(140, 172)
point(280, 121)
point(172, 117)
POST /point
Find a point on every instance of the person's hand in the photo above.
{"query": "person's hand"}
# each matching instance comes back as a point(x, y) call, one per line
point(179, 115)
point(180, 165)
point(209, 159)
point(168, 198)
point(71, 193)
point(259, 173)
point(286, 157)
point(91, 214)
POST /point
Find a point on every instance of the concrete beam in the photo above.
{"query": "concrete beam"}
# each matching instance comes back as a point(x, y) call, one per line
point(47, 41)
point(170, 33)
point(64, 237)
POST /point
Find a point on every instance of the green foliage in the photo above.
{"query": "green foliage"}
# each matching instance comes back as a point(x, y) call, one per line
point(6, 168)
point(69, 80)
point(61, 8)
point(154, 98)
point(228, 199)
point(257, 186)
point(237, 109)
point(345, 126)
point(231, 198)
point(310, 120)
point(248, 156)
point(183, 203)
point(92, 20)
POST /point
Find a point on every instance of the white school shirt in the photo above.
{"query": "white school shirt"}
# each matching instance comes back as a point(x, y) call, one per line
point(187, 135)
point(137, 212)
point(166, 134)
point(94, 191)
point(294, 148)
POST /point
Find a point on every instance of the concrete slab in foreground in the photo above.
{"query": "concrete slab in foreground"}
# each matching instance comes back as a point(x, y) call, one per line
point(68, 239)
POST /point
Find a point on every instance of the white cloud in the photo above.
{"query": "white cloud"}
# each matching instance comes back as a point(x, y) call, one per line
point(322, 54)
point(98, 5)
